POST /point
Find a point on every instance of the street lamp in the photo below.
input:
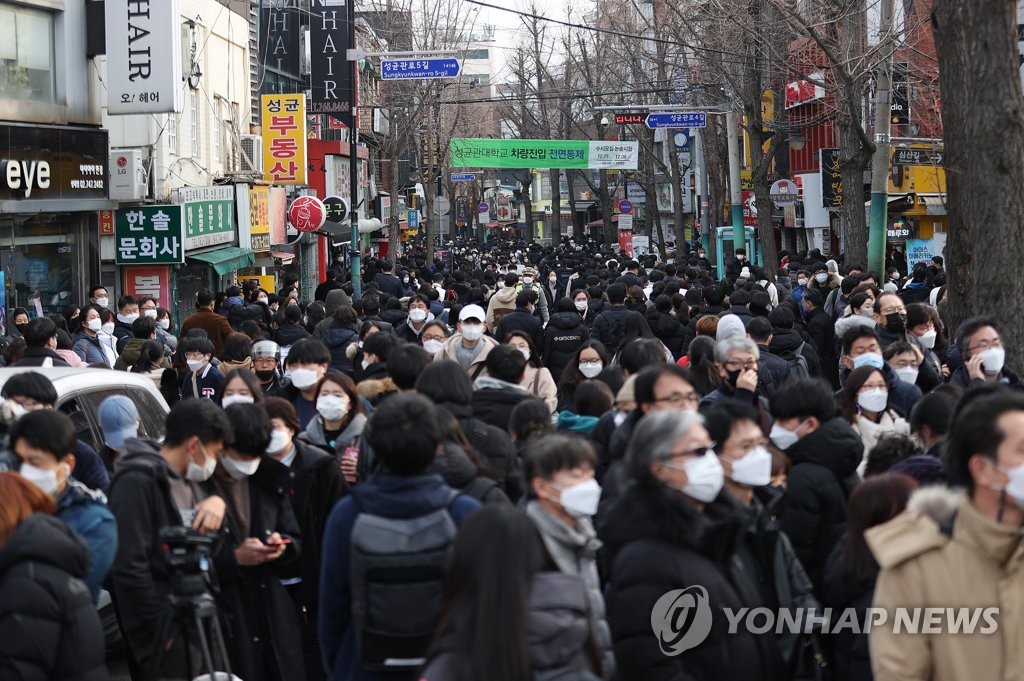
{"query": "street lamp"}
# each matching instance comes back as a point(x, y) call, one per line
point(797, 141)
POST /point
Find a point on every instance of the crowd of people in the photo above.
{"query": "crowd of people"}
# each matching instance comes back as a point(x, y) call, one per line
point(495, 466)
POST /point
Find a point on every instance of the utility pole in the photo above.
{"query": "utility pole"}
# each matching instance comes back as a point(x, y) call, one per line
point(353, 166)
point(883, 142)
point(735, 191)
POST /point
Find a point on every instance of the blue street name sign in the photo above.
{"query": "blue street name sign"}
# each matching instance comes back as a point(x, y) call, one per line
point(463, 177)
point(411, 69)
point(696, 119)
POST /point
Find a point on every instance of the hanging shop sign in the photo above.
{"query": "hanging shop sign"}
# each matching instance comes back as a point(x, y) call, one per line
point(330, 73)
point(150, 235)
point(152, 281)
point(284, 139)
point(509, 153)
point(143, 56)
point(280, 50)
point(209, 215)
point(259, 218)
point(831, 178)
point(60, 162)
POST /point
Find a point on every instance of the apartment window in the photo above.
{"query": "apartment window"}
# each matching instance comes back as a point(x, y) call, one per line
point(193, 113)
point(26, 54)
point(477, 54)
point(172, 133)
point(217, 128)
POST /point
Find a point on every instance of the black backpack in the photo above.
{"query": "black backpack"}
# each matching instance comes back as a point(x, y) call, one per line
point(796, 362)
point(397, 580)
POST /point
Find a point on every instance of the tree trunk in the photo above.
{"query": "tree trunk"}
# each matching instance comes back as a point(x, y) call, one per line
point(393, 224)
point(611, 236)
point(976, 41)
point(556, 206)
point(851, 167)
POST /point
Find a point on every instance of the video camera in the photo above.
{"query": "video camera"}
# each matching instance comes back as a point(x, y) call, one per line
point(187, 551)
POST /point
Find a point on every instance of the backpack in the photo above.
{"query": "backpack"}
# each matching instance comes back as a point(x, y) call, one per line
point(397, 580)
point(797, 363)
point(479, 488)
point(451, 295)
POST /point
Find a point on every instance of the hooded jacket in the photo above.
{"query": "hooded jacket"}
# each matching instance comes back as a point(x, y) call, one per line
point(454, 465)
point(314, 434)
point(501, 303)
point(49, 628)
point(609, 326)
point(335, 299)
point(88, 349)
point(391, 496)
point(288, 334)
point(786, 342)
point(944, 553)
point(86, 512)
point(670, 331)
point(494, 445)
point(494, 400)
point(557, 631)
point(565, 333)
point(477, 367)
point(816, 494)
point(375, 384)
point(337, 337)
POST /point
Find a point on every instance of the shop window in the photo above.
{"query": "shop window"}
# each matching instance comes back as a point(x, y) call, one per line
point(26, 54)
point(36, 258)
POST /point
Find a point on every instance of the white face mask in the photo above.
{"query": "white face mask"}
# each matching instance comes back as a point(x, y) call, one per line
point(263, 300)
point(42, 478)
point(108, 328)
point(801, 282)
point(94, 324)
point(150, 313)
point(228, 400)
point(364, 364)
point(874, 400)
point(103, 302)
point(164, 323)
point(591, 369)
point(197, 473)
point(526, 353)
point(472, 332)
point(304, 378)
point(332, 407)
point(1015, 487)
point(867, 312)
point(821, 278)
point(784, 438)
point(927, 339)
point(417, 314)
point(553, 280)
point(128, 318)
point(993, 359)
point(240, 469)
point(704, 477)
point(433, 346)
point(908, 374)
point(280, 439)
point(754, 468)
point(195, 365)
point(527, 280)
point(581, 500)
point(581, 305)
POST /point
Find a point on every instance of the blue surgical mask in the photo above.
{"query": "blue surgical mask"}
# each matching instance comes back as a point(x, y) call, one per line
point(868, 359)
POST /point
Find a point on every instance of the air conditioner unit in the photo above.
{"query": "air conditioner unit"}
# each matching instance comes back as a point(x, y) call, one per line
point(127, 175)
point(250, 158)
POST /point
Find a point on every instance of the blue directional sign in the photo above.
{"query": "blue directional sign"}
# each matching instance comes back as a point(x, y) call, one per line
point(695, 119)
point(412, 69)
point(413, 219)
point(463, 177)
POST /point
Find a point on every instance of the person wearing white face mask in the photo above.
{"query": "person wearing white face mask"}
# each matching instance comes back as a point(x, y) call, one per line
point(87, 342)
point(339, 421)
point(44, 442)
point(958, 546)
point(469, 346)
point(767, 556)
point(375, 382)
point(980, 344)
point(203, 380)
point(825, 452)
point(261, 538)
point(127, 312)
point(665, 533)
point(419, 317)
point(156, 487)
point(305, 365)
point(240, 387)
point(562, 500)
point(927, 334)
point(537, 379)
point(866, 408)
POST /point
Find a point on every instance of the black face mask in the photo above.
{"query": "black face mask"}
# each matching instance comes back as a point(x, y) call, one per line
point(732, 377)
point(896, 322)
point(266, 374)
point(21, 328)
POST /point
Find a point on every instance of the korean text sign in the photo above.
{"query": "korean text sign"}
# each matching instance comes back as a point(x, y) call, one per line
point(149, 235)
point(143, 56)
point(511, 153)
point(154, 281)
point(284, 139)
point(209, 215)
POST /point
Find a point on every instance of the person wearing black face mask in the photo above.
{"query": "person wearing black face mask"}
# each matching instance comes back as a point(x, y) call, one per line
point(266, 357)
point(890, 319)
point(736, 361)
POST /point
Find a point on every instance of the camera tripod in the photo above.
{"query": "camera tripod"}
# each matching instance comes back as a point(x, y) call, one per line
point(193, 608)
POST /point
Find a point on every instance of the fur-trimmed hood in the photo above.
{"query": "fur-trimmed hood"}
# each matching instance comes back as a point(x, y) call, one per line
point(375, 388)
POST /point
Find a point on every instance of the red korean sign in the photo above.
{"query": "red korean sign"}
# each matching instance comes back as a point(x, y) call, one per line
point(153, 281)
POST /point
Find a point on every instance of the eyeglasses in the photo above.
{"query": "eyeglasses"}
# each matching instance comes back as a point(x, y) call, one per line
point(894, 310)
point(696, 451)
point(985, 345)
point(737, 365)
point(678, 399)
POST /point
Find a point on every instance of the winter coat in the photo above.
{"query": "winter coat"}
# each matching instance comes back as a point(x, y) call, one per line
point(658, 542)
point(870, 432)
point(288, 334)
point(740, 311)
point(392, 496)
point(494, 400)
point(454, 465)
point(390, 284)
point(846, 324)
point(785, 343)
point(88, 349)
point(500, 304)
point(86, 512)
point(574, 550)
point(477, 367)
point(40, 357)
point(49, 628)
point(815, 516)
point(337, 337)
point(584, 425)
point(902, 395)
point(261, 625)
point(609, 326)
point(819, 327)
point(216, 327)
point(207, 384)
point(850, 658)
point(669, 331)
point(539, 383)
point(770, 363)
point(557, 631)
point(409, 334)
point(963, 379)
point(314, 434)
point(564, 335)
point(521, 320)
point(375, 384)
point(129, 357)
point(493, 444)
point(943, 552)
point(395, 318)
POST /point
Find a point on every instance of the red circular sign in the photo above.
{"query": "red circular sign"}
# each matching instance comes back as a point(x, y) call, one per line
point(307, 214)
point(122, 161)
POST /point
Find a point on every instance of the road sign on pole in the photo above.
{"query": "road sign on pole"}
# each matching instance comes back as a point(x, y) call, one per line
point(483, 207)
point(625, 206)
point(412, 69)
point(692, 119)
point(442, 206)
point(464, 177)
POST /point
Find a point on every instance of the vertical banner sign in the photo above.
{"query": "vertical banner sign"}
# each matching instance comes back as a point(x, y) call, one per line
point(209, 215)
point(900, 106)
point(259, 218)
point(279, 49)
point(278, 216)
point(284, 139)
point(831, 178)
point(154, 281)
point(462, 209)
point(148, 235)
point(143, 56)
point(330, 70)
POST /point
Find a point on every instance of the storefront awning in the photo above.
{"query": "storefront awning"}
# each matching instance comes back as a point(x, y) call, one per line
point(283, 256)
point(598, 223)
point(226, 260)
point(934, 204)
point(584, 207)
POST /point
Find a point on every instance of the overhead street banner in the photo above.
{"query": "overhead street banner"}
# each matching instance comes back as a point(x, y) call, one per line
point(572, 154)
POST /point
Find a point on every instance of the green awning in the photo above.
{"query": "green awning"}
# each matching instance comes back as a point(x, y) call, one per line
point(226, 260)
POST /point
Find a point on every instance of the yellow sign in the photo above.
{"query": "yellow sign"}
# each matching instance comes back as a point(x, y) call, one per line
point(284, 139)
point(259, 217)
point(768, 106)
point(267, 282)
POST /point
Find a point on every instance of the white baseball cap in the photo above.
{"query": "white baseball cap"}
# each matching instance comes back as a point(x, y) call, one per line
point(472, 312)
